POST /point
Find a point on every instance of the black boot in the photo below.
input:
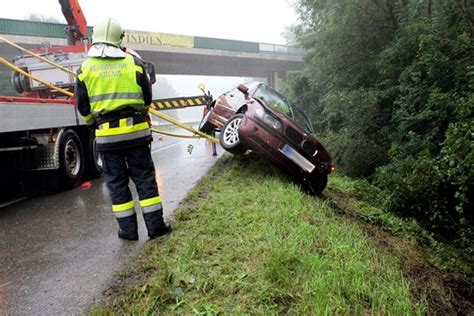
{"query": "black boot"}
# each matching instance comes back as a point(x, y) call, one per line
point(163, 231)
point(127, 236)
point(128, 227)
point(155, 224)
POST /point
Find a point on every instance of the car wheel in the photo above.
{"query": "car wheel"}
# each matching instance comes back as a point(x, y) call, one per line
point(229, 137)
point(71, 159)
point(317, 187)
point(204, 125)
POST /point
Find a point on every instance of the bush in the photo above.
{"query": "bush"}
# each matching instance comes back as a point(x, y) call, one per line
point(352, 119)
point(415, 188)
point(456, 165)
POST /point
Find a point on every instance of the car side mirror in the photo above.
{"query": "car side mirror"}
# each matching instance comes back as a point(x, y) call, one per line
point(242, 88)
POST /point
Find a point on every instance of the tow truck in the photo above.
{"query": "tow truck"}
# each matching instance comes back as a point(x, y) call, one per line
point(41, 131)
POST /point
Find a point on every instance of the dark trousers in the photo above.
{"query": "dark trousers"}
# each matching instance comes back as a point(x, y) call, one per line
point(133, 163)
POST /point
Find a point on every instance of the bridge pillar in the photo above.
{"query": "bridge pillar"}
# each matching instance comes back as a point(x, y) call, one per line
point(274, 80)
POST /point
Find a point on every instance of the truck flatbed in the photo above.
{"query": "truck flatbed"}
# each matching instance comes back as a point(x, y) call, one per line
point(23, 114)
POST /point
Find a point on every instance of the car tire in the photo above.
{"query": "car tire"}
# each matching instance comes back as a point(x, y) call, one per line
point(317, 187)
point(71, 160)
point(205, 126)
point(229, 136)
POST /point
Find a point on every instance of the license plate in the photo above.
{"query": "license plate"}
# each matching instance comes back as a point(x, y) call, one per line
point(297, 158)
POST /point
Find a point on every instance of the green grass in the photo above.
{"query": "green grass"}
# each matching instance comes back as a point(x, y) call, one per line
point(367, 205)
point(248, 241)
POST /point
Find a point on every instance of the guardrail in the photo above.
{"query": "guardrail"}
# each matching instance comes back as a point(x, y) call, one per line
point(281, 49)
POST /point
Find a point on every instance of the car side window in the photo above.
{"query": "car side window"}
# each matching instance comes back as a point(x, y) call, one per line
point(273, 99)
point(302, 119)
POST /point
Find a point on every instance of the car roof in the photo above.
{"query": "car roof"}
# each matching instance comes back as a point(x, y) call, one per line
point(253, 85)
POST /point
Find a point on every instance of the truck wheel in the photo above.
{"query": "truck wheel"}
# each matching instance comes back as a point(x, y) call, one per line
point(229, 137)
point(93, 161)
point(71, 160)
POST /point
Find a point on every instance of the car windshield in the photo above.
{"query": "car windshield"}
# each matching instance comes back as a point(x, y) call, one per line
point(273, 99)
point(301, 119)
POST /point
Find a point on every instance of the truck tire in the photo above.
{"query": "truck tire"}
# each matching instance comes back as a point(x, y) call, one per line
point(71, 160)
point(93, 161)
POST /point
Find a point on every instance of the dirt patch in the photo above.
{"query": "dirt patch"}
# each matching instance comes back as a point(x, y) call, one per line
point(445, 293)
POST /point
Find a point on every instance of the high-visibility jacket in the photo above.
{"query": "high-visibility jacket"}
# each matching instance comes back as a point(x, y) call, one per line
point(114, 94)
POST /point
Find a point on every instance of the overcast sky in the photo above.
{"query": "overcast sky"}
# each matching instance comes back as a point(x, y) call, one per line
point(251, 20)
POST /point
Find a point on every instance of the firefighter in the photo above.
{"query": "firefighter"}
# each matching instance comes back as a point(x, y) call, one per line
point(113, 94)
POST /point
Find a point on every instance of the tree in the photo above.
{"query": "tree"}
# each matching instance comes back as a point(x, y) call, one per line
point(342, 38)
point(468, 11)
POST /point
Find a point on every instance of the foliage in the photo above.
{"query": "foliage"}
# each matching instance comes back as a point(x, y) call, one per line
point(352, 118)
point(456, 163)
point(417, 190)
point(389, 85)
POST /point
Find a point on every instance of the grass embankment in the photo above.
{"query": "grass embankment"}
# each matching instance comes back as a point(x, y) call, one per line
point(248, 241)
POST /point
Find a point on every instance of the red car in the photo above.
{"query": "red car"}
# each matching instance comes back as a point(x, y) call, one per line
point(255, 116)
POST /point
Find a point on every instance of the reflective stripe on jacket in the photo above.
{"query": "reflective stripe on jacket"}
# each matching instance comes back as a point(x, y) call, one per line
point(129, 128)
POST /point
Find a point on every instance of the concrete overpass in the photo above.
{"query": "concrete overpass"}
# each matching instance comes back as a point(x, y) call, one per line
point(173, 54)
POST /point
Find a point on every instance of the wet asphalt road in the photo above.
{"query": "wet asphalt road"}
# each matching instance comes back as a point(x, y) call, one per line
point(58, 252)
